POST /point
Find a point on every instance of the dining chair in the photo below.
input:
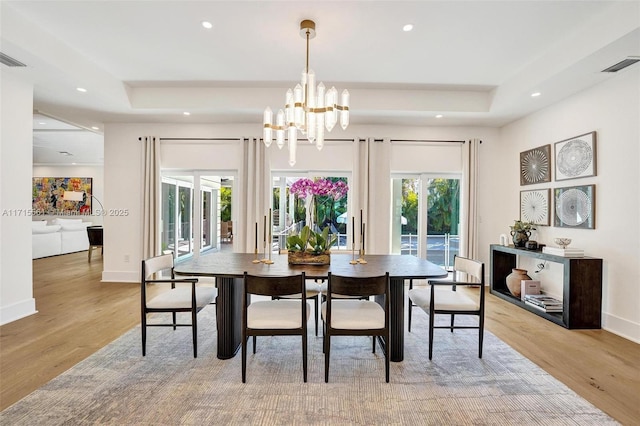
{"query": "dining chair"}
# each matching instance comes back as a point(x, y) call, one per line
point(186, 297)
point(442, 297)
point(356, 317)
point(275, 317)
point(95, 235)
point(313, 291)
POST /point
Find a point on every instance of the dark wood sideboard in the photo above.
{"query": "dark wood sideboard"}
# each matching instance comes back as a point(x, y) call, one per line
point(582, 286)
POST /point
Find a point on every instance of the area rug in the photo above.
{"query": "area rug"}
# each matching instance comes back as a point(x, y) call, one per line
point(117, 386)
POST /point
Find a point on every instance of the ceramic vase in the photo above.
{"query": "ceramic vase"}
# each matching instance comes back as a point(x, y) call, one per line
point(514, 281)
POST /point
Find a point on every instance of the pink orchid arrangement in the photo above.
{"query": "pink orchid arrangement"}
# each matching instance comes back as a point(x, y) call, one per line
point(302, 188)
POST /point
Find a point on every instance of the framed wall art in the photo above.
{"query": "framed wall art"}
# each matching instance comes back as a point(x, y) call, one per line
point(575, 207)
point(47, 195)
point(535, 207)
point(535, 165)
point(575, 157)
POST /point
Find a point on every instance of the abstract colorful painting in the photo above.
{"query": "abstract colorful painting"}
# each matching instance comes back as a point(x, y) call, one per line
point(48, 192)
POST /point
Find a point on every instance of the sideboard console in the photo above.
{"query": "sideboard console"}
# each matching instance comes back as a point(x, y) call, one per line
point(582, 285)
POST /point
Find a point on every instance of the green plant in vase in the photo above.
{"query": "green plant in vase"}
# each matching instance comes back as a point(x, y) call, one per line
point(520, 232)
point(310, 247)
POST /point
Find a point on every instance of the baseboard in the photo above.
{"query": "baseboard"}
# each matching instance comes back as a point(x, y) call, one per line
point(622, 327)
point(18, 310)
point(120, 277)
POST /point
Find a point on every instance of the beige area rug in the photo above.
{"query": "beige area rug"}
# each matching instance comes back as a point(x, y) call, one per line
point(117, 386)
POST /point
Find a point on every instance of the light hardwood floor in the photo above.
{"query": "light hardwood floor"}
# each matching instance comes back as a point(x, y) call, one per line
point(77, 315)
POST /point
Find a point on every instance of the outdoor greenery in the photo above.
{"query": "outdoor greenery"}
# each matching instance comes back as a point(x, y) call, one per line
point(443, 206)
point(225, 204)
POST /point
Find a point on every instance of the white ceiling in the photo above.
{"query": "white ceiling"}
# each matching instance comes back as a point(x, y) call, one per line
point(474, 62)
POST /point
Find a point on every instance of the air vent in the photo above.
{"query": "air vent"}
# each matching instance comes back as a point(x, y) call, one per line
point(622, 64)
point(9, 61)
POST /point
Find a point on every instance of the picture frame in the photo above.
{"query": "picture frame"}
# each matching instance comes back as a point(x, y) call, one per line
point(575, 207)
point(575, 157)
point(47, 195)
point(535, 206)
point(535, 165)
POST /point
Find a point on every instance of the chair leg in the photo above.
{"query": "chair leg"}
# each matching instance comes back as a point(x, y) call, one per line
point(453, 316)
point(317, 314)
point(373, 338)
point(481, 337)
point(194, 326)
point(144, 333)
point(255, 341)
point(304, 357)
point(244, 357)
point(386, 356)
point(173, 316)
point(327, 348)
point(410, 305)
point(431, 321)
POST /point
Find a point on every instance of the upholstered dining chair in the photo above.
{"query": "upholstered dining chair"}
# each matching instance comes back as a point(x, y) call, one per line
point(275, 317)
point(313, 292)
point(186, 297)
point(442, 297)
point(356, 317)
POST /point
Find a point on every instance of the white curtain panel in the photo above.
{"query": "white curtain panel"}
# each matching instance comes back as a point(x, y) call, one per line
point(151, 186)
point(255, 190)
point(469, 246)
point(372, 180)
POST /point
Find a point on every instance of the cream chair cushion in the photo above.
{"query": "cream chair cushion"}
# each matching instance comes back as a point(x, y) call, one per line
point(279, 314)
point(355, 314)
point(445, 299)
point(180, 298)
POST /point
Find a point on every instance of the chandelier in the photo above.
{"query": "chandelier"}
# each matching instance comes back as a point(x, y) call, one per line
point(308, 108)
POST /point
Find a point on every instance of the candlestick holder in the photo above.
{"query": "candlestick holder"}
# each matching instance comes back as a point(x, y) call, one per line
point(353, 260)
point(361, 258)
point(264, 251)
point(256, 260)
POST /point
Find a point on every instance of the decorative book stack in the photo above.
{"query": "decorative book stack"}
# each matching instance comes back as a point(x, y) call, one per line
point(543, 302)
point(565, 252)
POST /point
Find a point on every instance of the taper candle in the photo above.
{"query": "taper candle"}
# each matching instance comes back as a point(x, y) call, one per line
point(363, 238)
point(353, 232)
point(256, 247)
point(270, 228)
point(264, 233)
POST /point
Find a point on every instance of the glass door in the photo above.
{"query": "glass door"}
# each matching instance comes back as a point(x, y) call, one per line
point(426, 217)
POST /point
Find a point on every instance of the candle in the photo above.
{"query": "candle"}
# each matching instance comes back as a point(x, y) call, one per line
point(264, 233)
point(270, 228)
point(256, 247)
point(353, 232)
point(363, 238)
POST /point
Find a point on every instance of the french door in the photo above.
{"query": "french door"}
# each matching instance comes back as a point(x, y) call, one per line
point(191, 205)
point(425, 219)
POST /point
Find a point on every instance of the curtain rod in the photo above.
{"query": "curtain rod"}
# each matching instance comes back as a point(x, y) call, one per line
point(423, 140)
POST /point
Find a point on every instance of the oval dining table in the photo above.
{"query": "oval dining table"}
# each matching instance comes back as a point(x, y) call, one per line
point(229, 268)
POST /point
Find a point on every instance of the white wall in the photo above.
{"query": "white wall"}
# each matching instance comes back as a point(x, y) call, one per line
point(94, 172)
point(612, 109)
point(16, 274)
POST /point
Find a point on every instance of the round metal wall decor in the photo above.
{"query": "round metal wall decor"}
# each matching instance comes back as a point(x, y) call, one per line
point(535, 166)
point(574, 158)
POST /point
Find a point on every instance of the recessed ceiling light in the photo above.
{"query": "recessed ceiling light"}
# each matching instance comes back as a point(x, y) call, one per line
point(95, 127)
point(439, 116)
point(42, 123)
point(206, 24)
point(535, 94)
point(186, 113)
point(73, 164)
point(407, 27)
point(81, 89)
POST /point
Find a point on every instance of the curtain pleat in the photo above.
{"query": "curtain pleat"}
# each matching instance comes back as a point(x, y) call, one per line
point(469, 247)
point(254, 202)
point(151, 202)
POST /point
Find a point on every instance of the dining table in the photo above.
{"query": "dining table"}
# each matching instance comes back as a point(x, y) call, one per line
point(228, 269)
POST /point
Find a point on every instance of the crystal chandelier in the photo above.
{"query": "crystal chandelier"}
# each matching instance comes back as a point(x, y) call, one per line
point(308, 108)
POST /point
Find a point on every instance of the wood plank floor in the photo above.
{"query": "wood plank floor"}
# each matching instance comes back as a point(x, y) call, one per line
point(77, 315)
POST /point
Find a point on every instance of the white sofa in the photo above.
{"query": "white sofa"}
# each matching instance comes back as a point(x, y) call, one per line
point(60, 237)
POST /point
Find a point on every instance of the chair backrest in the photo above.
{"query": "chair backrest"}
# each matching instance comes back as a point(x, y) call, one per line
point(155, 264)
point(95, 235)
point(274, 286)
point(358, 286)
point(472, 268)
